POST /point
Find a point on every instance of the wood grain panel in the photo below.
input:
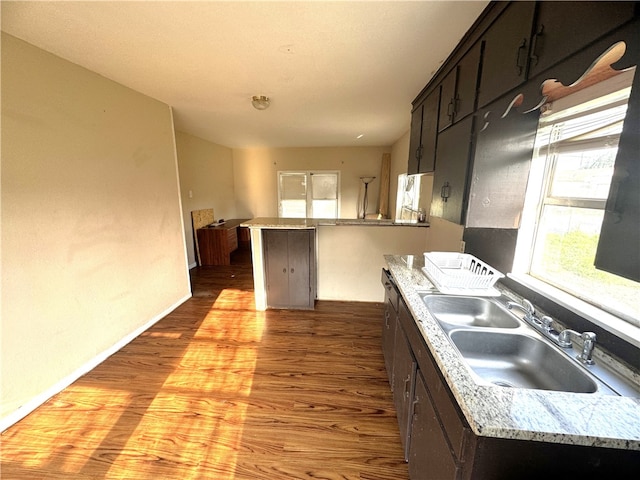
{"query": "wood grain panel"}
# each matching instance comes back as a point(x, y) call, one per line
point(217, 390)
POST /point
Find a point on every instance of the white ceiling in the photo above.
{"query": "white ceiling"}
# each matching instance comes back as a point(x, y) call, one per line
point(333, 70)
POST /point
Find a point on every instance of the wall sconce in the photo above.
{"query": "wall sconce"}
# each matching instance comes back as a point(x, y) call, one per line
point(260, 102)
point(445, 191)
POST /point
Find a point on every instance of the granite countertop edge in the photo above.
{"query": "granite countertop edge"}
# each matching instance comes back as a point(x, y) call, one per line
point(514, 413)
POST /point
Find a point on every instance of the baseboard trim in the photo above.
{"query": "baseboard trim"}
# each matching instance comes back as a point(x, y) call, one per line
point(38, 400)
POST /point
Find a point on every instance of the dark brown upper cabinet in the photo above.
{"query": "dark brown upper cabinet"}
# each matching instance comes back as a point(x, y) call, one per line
point(449, 196)
point(502, 160)
point(618, 248)
point(458, 89)
point(506, 52)
point(424, 131)
point(563, 28)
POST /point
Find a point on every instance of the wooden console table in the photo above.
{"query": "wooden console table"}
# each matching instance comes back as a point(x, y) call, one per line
point(217, 243)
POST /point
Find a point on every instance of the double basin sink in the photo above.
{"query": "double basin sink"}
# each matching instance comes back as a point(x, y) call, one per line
point(501, 349)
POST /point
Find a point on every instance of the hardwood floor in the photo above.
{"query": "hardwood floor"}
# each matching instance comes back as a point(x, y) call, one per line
point(217, 390)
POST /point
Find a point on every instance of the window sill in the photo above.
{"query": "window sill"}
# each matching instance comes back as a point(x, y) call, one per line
point(618, 327)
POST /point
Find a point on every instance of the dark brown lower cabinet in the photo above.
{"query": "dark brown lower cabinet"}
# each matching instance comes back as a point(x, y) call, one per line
point(389, 322)
point(290, 268)
point(404, 379)
point(429, 452)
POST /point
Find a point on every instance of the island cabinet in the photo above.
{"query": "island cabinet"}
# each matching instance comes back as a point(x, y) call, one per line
point(389, 322)
point(424, 131)
point(290, 267)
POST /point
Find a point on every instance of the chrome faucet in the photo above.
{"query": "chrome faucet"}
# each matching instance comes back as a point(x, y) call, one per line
point(588, 343)
point(526, 307)
point(544, 325)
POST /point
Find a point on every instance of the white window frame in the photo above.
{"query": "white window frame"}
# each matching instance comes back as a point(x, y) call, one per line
point(536, 197)
point(308, 174)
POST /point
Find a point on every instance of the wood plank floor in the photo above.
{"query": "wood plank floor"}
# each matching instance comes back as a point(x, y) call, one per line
point(219, 391)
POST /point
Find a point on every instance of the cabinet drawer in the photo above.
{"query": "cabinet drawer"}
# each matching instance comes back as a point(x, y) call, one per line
point(450, 416)
point(232, 238)
point(390, 287)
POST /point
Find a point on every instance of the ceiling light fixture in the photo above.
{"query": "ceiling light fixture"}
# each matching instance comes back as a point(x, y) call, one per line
point(260, 102)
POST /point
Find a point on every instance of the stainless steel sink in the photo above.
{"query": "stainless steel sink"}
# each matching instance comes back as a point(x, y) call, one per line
point(501, 349)
point(518, 360)
point(469, 311)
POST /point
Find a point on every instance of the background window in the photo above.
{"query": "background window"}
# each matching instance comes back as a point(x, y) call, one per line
point(308, 194)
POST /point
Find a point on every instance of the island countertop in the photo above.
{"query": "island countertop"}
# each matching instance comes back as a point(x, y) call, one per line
point(598, 420)
point(292, 223)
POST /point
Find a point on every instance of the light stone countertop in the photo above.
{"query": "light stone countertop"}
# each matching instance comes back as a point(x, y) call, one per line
point(275, 222)
point(598, 420)
point(293, 223)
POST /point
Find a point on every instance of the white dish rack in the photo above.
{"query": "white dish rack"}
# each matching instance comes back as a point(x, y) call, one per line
point(460, 274)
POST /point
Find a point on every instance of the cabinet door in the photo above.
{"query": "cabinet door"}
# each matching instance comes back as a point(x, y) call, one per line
point(429, 453)
point(506, 52)
point(467, 83)
point(389, 322)
point(447, 99)
point(618, 250)
point(299, 244)
point(415, 140)
point(429, 132)
point(459, 88)
point(449, 183)
point(502, 160)
point(276, 266)
point(404, 376)
point(563, 28)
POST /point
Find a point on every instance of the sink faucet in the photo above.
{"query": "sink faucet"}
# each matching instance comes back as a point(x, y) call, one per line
point(541, 324)
point(562, 339)
point(588, 343)
point(526, 307)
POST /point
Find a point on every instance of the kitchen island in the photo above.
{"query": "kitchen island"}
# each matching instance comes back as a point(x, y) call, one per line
point(348, 253)
point(504, 429)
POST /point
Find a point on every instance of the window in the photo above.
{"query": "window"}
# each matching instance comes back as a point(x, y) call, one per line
point(408, 200)
point(308, 194)
point(576, 146)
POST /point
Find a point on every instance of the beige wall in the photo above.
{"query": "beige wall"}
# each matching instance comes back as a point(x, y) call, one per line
point(255, 175)
point(92, 236)
point(350, 258)
point(206, 181)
